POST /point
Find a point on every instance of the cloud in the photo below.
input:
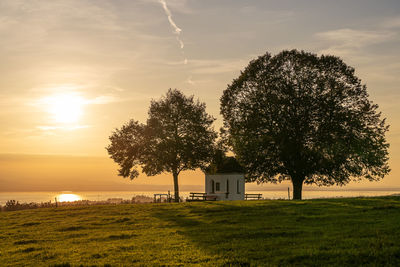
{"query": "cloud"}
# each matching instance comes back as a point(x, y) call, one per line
point(392, 23)
point(211, 67)
point(190, 81)
point(347, 41)
point(355, 38)
point(68, 128)
point(76, 90)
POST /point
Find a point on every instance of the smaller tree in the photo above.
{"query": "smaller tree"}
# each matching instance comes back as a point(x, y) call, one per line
point(178, 136)
point(127, 148)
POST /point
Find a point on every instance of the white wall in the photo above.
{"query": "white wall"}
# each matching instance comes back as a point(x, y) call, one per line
point(223, 193)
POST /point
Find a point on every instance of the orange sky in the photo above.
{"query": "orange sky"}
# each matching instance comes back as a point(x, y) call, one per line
point(72, 71)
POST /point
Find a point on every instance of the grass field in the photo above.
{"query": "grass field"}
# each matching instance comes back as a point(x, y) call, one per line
point(341, 232)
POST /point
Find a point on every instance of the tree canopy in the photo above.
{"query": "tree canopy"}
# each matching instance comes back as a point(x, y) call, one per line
point(223, 164)
point(305, 118)
point(178, 136)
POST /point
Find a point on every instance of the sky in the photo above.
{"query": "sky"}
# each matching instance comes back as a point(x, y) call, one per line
point(73, 71)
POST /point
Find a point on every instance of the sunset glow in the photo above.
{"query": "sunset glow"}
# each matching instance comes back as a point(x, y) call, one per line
point(65, 108)
point(74, 71)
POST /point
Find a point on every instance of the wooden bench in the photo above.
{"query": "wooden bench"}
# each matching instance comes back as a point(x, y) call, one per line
point(252, 196)
point(196, 196)
point(200, 197)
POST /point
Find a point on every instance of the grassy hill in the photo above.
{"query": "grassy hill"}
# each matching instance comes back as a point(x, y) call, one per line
point(356, 231)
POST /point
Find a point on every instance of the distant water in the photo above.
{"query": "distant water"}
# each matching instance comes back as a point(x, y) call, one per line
point(27, 197)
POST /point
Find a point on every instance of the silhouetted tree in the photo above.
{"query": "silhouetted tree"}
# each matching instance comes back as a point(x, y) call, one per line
point(127, 148)
point(296, 116)
point(178, 136)
point(221, 163)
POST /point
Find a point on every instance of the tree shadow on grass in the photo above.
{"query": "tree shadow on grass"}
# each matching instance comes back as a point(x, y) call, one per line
point(279, 232)
point(233, 235)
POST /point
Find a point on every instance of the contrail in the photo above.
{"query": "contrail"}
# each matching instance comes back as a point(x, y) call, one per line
point(169, 15)
point(177, 30)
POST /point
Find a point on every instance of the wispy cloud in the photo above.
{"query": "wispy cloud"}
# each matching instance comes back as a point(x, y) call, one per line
point(346, 41)
point(177, 30)
point(68, 128)
point(189, 80)
point(77, 91)
point(212, 67)
point(354, 38)
point(103, 99)
point(393, 22)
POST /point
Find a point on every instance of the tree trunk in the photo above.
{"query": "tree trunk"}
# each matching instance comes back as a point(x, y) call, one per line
point(176, 187)
point(297, 187)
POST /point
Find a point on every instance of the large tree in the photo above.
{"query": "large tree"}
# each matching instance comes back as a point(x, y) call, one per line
point(305, 118)
point(178, 136)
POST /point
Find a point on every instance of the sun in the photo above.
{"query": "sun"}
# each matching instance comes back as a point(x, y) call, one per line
point(68, 197)
point(65, 108)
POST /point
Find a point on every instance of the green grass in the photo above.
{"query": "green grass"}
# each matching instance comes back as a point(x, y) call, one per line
point(340, 232)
